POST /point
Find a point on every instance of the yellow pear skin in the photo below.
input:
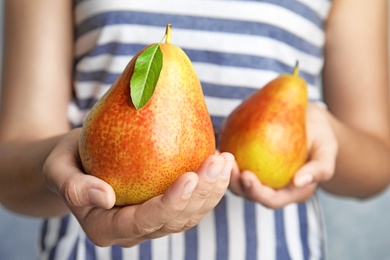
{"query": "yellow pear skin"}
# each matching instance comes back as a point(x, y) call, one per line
point(140, 153)
point(267, 131)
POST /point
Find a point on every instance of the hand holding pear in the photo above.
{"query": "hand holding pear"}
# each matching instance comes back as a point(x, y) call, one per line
point(267, 132)
point(140, 151)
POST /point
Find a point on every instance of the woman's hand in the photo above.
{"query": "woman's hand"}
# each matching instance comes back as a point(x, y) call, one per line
point(319, 167)
point(92, 200)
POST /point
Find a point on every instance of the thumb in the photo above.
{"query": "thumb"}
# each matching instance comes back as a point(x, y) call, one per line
point(320, 168)
point(62, 173)
point(82, 190)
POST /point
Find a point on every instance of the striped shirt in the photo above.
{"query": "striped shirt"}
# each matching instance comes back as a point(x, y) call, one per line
point(236, 47)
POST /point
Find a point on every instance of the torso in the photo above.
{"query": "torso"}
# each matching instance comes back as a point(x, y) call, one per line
point(236, 47)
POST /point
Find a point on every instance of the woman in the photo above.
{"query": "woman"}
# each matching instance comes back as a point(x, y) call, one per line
point(53, 75)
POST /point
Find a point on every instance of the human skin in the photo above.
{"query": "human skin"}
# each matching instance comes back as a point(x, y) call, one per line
point(40, 174)
point(40, 171)
point(349, 141)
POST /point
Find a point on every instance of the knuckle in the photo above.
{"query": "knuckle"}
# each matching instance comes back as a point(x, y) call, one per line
point(69, 191)
point(327, 172)
point(191, 223)
point(174, 227)
point(141, 230)
point(219, 191)
point(202, 193)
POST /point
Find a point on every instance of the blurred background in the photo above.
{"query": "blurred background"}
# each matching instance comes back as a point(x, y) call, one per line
point(357, 230)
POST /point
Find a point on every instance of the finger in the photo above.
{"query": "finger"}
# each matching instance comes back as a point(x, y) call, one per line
point(206, 195)
point(273, 198)
point(209, 174)
point(78, 189)
point(214, 170)
point(145, 219)
point(320, 167)
point(235, 184)
point(222, 184)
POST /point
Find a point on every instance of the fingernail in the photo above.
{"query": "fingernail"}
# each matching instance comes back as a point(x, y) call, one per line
point(214, 170)
point(227, 170)
point(189, 187)
point(97, 197)
point(303, 180)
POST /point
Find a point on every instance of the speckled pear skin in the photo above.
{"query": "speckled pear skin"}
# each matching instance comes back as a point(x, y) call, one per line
point(140, 153)
point(267, 131)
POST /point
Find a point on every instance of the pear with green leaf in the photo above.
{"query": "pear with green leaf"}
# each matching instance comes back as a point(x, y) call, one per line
point(267, 132)
point(150, 127)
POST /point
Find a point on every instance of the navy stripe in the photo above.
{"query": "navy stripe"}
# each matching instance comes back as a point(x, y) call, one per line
point(90, 249)
point(303, 227)
point(116, 252)
point(219, 58)
point(61, 234)
point(191, 244)
point(117, 49)
point(296, 7)
point(84, 104)
point(221, 227)
point(229, 92)
point(245, 61)
point(282, 252)
point(73, 253)
point(198, 23)
point(250, 230)
point(217, 123)
point(145, 250)
point(44, 229)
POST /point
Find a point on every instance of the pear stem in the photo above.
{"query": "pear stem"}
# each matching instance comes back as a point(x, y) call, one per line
point(296, 69)
point(168, 33)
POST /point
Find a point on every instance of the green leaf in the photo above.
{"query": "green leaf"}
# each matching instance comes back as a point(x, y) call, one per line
point(145, 76)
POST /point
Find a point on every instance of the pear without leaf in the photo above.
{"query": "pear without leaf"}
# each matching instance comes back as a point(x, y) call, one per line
point(140, 153)
point(267, 131)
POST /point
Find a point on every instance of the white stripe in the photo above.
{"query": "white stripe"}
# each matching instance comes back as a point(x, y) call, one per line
point(75, 115)
point(177, 245)
point(293, 239)
point(242, 11)
point(315, 232)
point(81, 246)
point(53, 227)
point(65, 245)
point(131, 253)
point(200, 40)
point(88, 89)
point(266, 243)
point(233, 76)
point(102, 253)
point(236, 226)
point(221, 107)
point(85, 43)
point(160, 248)
point(106, 62)
point(320, 7)
point(207, 237)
